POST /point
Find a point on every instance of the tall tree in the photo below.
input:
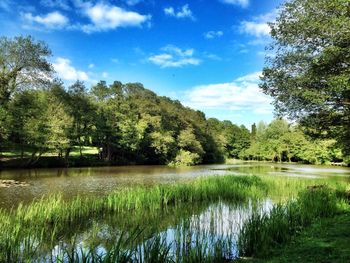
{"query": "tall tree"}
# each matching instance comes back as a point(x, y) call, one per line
point(309, 76)
point(23, 62)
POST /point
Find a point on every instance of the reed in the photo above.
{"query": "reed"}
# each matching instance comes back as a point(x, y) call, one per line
point(264, 231)
point(31, 230)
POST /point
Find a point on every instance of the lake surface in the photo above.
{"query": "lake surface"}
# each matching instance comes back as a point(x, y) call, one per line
point(91, 181)
point(71, 182)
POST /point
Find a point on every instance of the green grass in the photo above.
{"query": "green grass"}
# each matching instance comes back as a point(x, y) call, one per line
point(264, 231)
point(15, 151)
point(325, 241)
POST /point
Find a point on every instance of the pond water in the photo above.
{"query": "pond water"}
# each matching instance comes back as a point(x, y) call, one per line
point(92, 181)
point(180, 227)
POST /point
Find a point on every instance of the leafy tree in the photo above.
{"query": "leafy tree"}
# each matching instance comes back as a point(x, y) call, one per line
point(60, 122)
point(309, 76)
point(23, 63)
point(82, 112)
point(27, 121)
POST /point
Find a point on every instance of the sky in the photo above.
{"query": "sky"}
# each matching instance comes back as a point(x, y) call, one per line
point(208, 54)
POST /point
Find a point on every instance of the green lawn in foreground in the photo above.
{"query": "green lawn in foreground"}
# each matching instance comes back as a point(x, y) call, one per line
point(325, 241)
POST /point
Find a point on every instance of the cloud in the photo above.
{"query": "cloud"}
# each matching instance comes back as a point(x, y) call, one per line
point(53, 20)
point(258, 26)
point(104, 16)
point(242, 94)
point(63, 4)
point(252, 77)
point(212, 56)
point(5, 5)
point(213, 34)
point(66, 71)
point(242, 3)
point(174, 57)
point(133, 2)
point(255, 28)
point(183, 12)
point(92, 65)
point(104, 74)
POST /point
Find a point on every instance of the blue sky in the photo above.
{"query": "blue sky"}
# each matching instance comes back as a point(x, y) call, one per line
point(206, 53)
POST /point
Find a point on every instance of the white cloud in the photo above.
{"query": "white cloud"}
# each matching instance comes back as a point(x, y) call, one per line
point(91, 65)
point(104, 16)
point(255, 28)
point(242, 3)
point(51, 20)
point(66, 71)
point(258, 26)
point(213, 34)
point(104, 75)
point(242, 94)
point(183, 12)
point(175, 57)
point(252, 77)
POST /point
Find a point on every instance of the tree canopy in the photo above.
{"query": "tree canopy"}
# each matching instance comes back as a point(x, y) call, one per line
point(309, 75)
point(23, 62)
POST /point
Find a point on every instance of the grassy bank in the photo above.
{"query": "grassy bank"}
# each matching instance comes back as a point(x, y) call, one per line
point(327, 240)
point(262, 232)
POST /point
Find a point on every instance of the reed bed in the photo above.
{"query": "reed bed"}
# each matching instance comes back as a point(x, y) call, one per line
point(29, 231)
point(26, 228)
point(262, 232)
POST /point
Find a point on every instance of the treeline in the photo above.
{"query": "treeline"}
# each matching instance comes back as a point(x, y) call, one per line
point(282, 142)
point(132, 125)
point(128, 123)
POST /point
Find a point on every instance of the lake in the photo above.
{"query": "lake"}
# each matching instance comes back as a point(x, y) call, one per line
point(181, 227)
point(90, 181)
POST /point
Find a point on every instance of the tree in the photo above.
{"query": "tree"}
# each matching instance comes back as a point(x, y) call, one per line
point(28, 123)
point(60, 122)
point(309, 76)
point(81, 109)
point(23, 63)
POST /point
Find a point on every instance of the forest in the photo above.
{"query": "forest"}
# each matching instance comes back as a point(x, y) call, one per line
point(128, 123)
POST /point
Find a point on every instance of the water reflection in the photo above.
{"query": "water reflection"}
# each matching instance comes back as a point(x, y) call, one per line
point(180, 228)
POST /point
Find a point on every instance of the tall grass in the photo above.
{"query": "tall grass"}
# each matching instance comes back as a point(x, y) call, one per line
point(28, 232)
point(26, 228)
point(264, 231)
point(154, 250)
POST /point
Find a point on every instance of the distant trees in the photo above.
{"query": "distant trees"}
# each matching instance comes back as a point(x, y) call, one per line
point(280, 141)
point(309, 75)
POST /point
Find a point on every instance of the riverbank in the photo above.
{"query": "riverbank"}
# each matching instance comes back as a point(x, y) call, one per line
point(325, 241)
point(92, 160)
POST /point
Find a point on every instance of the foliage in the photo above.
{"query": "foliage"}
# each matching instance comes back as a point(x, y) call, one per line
point(309, 76)
point(23, 63)
point(280, 141)
point(185, 158)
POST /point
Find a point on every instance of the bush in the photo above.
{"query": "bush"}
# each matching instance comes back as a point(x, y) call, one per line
point(185, 158)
